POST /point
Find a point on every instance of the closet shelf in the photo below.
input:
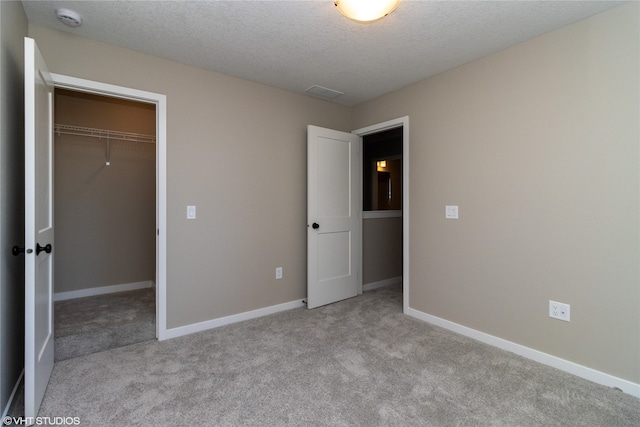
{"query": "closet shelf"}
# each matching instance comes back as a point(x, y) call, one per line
point(103, 134)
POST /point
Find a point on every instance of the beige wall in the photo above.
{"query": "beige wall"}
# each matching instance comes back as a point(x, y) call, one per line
point(381, 249)
point(105, 216)
point(103, 112)
point(236, 150)
point(538, 145)
point(13, 29)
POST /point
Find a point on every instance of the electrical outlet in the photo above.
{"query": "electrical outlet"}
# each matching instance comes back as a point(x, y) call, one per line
point(279, 273)
point(559, 310)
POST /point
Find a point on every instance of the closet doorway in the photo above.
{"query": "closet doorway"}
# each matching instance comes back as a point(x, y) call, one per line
point(105, 218)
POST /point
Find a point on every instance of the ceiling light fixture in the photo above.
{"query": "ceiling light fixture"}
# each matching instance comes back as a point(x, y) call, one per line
point(69, 17)
point(366, 10)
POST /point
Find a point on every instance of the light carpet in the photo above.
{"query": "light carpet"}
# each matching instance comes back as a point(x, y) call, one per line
point(102, 322)
point(360, 362)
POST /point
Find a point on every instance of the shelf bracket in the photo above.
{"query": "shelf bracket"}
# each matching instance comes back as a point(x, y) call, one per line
point(108, 151)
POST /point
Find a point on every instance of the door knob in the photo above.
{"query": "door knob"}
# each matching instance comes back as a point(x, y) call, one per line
point(17, 250)
point(315, 226)
point(46, 248)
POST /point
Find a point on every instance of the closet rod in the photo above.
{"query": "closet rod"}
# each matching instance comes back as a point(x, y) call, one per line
point(103, 133)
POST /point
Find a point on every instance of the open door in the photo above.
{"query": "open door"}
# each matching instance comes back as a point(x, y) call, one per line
point(334, 243)
point(39, 333)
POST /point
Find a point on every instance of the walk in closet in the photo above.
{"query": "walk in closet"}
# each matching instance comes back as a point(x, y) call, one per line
point(105, 219)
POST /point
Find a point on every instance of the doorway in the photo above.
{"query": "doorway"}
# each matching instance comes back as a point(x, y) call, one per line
point(386, 226)
point(382, 209)
point(105, 214)
point(340, 192)
point(160, 103)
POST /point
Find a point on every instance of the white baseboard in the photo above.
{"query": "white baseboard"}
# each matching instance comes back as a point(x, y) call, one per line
point(240, 317)
point(375, 285)
point(101, 290)
point(13, 396)
point(538, 356)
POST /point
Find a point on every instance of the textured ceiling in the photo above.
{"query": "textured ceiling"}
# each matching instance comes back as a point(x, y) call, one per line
point(297, 44)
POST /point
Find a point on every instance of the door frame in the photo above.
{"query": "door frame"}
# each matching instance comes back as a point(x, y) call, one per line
point(380, 127)
point(160, 101)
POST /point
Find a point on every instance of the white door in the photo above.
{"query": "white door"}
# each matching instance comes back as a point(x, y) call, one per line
point(38, 228)
point(334, 245)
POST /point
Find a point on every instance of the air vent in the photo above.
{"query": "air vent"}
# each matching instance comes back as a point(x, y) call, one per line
point(69, 17)
point(323, 92)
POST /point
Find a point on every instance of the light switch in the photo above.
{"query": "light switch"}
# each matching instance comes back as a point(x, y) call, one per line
point(451, 212)
point(191, 212)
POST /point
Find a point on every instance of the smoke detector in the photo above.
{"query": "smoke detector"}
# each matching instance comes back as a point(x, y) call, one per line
point(69, 18)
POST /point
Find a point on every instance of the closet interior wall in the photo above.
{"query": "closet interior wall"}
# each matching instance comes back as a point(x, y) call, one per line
point(105, 215)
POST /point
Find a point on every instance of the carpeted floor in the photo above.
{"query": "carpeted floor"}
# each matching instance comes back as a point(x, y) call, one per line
point(98, 323)
point(102, 322)
point(359, 362)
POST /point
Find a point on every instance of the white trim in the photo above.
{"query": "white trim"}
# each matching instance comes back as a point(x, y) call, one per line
point(99, 88)
point(102, 290)
point(160, 101)
point(380, 127)
point(530, 353)
point(13, 395)
point(381, 214)
point(390, 124)
point(235, 318)
point(375, 285)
